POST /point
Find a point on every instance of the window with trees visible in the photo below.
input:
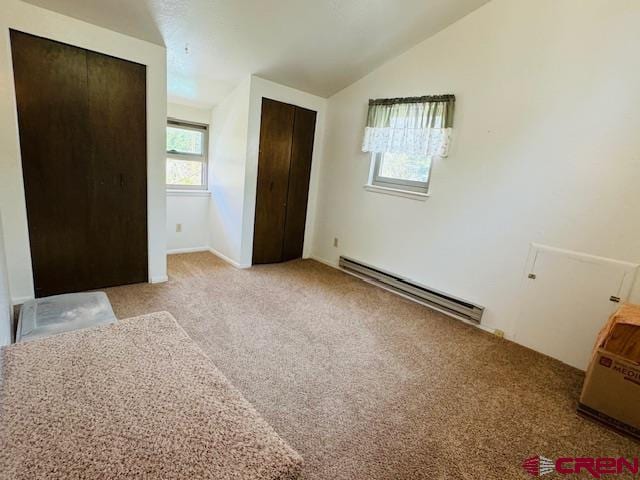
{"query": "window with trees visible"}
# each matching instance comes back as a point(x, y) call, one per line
point(399, 170)
point(403, 135)
point(186, 156)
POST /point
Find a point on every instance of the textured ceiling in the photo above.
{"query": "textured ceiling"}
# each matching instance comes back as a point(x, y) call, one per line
point(318, 46)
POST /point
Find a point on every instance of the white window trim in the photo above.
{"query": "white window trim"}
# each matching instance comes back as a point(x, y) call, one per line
point(204, 158)
point(172, 192)
point(397, 192)
point(393, 186)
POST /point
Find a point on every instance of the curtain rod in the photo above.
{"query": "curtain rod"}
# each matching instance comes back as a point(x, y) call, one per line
point(424, 99)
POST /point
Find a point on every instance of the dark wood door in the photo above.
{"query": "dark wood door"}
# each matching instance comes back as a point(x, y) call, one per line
point(117, 120)
point(81, 118)
point(284, 167)
point(276, 127)
point(299, 174)
point(53, 107)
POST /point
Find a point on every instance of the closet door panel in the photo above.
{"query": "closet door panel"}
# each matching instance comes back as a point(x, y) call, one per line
point(118, 189)
point(299, 175)
point(82, 124)
point(273, 177)
point(52, 106)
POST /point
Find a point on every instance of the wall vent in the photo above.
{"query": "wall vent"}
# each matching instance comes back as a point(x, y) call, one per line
point(439, 301)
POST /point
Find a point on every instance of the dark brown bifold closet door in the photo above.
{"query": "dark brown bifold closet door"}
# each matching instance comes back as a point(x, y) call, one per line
point(82, 124)
point(284, 167)
point(304, 126)
point(118, 123)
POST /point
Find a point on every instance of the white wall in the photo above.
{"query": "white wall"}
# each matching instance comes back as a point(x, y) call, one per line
point(188, 209)
point(38, 21)
point(545, 149)
point(5, 296)
point(186, 112)
point(227, 161)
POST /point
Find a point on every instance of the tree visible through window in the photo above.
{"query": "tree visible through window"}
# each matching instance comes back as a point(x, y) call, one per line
point(401, 171)
point(186, 156)
point(405, 167)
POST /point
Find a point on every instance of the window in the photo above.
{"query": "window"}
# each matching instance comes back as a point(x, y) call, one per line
point(403, 135)
point(186, 156)
point(401, 171)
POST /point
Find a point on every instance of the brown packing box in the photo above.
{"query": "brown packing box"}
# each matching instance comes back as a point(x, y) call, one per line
point(624, 340)
point(611, 391)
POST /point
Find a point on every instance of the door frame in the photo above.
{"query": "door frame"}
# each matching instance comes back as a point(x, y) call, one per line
point(260, 89)
point(17, 37)
point(38, 22)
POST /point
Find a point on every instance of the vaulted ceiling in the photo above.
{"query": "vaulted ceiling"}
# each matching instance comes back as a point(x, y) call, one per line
point(318, 46)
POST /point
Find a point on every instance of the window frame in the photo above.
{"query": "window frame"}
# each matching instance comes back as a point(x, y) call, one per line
point(203, 158)
point(395, 183)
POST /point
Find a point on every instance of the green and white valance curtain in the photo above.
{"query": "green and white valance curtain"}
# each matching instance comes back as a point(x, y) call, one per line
point(413, 126)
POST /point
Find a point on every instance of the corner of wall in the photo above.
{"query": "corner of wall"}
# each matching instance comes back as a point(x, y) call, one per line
point(227, 164)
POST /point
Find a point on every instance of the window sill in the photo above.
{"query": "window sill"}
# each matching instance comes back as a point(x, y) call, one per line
point(397, 192)
point(188, 193)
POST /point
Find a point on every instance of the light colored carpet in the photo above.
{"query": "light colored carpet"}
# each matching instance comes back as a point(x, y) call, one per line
point(367, 385)
point(133, 400)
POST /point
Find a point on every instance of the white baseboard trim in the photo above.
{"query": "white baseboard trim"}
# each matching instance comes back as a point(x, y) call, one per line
point(228, 260)
point(337, 267)
point(326, 262)
point(175, 251)
point(20, 300)
point(159, 279)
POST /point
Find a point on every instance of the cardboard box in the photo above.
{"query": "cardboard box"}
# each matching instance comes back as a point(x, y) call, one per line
point(611, 393)
point(619, 333)
point(624, 340)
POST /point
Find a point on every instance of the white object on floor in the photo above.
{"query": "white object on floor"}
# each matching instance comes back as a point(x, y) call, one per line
point(42, 317)
point(568, 297)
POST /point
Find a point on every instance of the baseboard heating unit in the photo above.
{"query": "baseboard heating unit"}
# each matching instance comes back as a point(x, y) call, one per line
point(440, 301)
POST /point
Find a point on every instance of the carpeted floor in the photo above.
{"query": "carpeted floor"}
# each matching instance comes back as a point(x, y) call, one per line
point(88, 404)
point(367, 385)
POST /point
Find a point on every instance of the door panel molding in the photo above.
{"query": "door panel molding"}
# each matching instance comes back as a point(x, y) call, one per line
point(567, 297)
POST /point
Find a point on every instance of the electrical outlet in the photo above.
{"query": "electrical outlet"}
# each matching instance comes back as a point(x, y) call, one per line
point(178, 227)
point(335, 242)
point(498, 333)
